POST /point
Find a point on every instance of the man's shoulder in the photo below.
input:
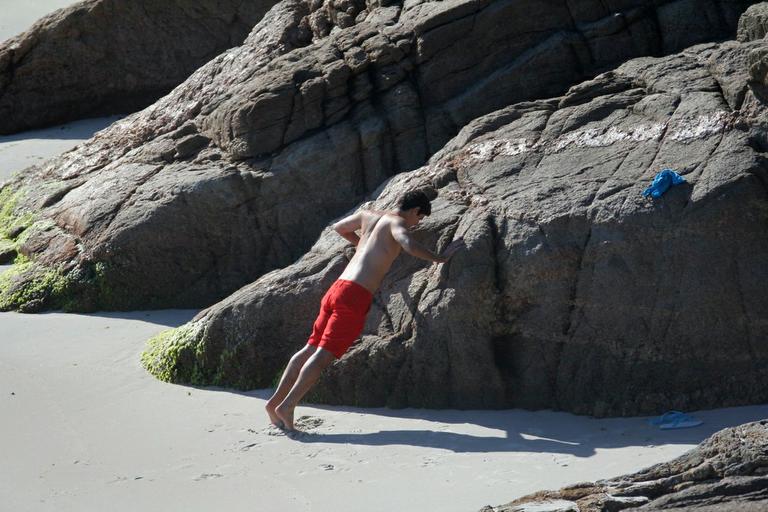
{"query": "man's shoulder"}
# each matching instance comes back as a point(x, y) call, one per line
point(383, 215)
point(390, 219)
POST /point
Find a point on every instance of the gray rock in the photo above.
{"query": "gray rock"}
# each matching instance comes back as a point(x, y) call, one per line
point(190, 145)
point(541, 506)
point(753, 24)
point(102, 57)
point(576, 292)
point(725, 473)
point(306, 118)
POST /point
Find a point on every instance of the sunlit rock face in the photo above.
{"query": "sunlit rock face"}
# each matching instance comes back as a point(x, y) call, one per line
point(237, 171)
point(725, 473)
point(102, 57)
point(753, 24)
point(575, 292)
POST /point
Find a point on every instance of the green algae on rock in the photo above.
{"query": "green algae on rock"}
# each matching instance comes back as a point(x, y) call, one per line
point(29, 287)
point(170, 356)
point(42, 287)
point(179, 356)
point(12, 222)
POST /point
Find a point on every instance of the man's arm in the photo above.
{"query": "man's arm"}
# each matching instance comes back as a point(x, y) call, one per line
point(347, 226)
point(414, 248)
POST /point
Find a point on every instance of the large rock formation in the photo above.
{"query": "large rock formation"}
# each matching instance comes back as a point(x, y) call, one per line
point(576, 292)
point(726, 473)
point(102, 57)
point(238, 170)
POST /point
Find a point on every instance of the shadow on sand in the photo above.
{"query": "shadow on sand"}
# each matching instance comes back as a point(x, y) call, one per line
point(81, 129)
point(485, 431)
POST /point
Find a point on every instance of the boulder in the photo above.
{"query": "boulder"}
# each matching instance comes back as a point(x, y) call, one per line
point(576, 292)
point(237, 171)
point(101, 57)
point(726, 473)
point(753, 24)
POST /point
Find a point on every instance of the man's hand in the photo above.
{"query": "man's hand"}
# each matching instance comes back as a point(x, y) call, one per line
point(451, 249)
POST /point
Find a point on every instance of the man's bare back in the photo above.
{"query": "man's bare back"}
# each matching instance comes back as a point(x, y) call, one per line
point(375, 251)
point(382, 236)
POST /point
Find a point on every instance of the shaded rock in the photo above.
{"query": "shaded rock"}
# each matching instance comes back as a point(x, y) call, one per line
point(576, 292)
point(753, 24)
point(304, 120)
point(190, 145)
point(7, 252)
point(758, 72)
point(725, 473)
point(101, 57)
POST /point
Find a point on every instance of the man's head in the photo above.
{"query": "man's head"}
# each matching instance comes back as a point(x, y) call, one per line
point(414, 206)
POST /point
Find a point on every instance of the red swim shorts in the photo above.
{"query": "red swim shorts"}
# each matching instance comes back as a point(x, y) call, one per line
point(342, 317)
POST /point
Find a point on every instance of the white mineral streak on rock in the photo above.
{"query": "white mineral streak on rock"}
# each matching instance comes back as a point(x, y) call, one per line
point(685, 130)
point(515, 147)
point(483, 150)
point(700, 127)
point(597, 138)
point(504, 147)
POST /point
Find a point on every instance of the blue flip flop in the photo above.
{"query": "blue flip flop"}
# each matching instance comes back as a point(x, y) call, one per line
point(661, 183)
point(675, 419)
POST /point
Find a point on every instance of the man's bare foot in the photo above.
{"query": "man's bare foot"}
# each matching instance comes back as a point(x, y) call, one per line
point(285, 414)
point(274, 418)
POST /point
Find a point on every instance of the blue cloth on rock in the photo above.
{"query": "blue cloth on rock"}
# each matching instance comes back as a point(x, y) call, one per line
point(662, 182)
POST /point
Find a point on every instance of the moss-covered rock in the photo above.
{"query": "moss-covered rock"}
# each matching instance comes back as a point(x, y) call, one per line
point(171, 355)
point(29, 287)
point(185, 355)
point(12, 221)
point(16, 223)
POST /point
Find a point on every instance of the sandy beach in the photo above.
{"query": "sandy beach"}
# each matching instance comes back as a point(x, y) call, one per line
point(19, 151)
point(85, 428)
point(18, 16)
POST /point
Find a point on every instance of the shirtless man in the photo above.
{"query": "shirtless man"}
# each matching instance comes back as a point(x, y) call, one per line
point(346, 304)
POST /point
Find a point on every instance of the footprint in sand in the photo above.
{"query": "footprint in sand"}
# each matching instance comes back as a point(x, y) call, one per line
point(248, 447)
point(272, 430)
point(307, 423)
point(208, 476)
point(303, 425)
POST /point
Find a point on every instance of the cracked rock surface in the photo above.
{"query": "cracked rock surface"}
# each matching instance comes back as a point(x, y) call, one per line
point(576, 292)
point(726, 473)
point(238, 170)
point(102, 57)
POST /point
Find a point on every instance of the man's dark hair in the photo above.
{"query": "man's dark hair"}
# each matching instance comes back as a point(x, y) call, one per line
point(416, 198)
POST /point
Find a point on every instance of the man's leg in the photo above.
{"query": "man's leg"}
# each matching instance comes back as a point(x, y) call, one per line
point(289, 377)
point(308, 376)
